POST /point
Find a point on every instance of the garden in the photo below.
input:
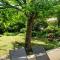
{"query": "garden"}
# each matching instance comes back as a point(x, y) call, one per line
point(28, 23)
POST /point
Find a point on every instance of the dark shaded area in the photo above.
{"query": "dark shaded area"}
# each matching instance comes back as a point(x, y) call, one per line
point(15, 27)
point(17, 45)
point(2, 28)
point(47, 46)
point(40, 53)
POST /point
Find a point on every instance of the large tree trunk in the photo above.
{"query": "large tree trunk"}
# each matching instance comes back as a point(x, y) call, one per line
point(29, 33)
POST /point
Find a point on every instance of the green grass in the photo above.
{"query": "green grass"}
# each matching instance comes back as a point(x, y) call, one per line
point(6, 43)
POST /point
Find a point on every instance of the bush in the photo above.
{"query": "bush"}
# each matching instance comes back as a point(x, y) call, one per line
point(34, 33)
point(39, 34)
point(16, 27)
point(38, 26)
point(57, 34)
point(22, 30)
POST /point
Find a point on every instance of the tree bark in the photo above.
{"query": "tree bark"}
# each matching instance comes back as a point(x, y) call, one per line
point(29, 33)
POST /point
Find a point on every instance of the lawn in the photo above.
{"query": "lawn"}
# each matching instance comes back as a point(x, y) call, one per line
point(6, 43)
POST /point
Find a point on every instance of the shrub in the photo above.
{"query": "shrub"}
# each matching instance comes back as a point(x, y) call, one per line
point(22, 30)
point(15, 27)
point(34, 33)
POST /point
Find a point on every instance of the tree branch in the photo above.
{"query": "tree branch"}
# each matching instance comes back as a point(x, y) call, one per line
point(7, 5)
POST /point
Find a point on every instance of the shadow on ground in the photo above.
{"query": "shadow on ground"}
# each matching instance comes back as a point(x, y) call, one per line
point(47, 46)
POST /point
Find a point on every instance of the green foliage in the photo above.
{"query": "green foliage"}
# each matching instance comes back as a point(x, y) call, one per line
point(9, 34)
point(15, 27)
point(12, 20)
point(57, 33)
point(16, 12)
point(38, 28)
point(23, 30)
point(39, 25)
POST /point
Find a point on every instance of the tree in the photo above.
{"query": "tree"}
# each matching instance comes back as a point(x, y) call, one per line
point(33, 9)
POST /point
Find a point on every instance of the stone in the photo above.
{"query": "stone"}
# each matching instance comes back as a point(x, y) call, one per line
point(18, 54)
point(40, 53)
point(31, 57)
point(54, 54)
